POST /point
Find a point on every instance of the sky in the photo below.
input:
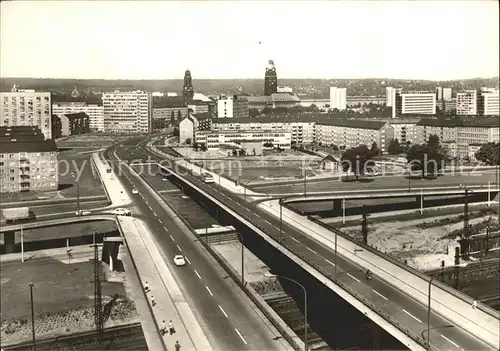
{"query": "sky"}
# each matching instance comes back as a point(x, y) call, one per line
point(436, 40)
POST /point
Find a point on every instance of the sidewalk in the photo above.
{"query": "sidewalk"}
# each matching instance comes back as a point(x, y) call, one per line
point(150, 266)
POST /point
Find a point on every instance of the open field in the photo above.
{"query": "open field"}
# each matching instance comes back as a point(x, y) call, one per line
point(91, 140)
point(62, 295)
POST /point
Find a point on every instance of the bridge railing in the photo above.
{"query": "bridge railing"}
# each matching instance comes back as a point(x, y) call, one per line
point(260, 303)
point(490, 311)
point(269, 231)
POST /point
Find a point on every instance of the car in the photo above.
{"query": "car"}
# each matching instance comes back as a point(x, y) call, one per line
point(179, 260)
point(121, 212)
point(207, 178)
point(82, 213)
point(135, 191)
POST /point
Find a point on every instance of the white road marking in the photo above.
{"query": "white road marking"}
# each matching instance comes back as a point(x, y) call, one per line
point(379, 294)
point(187, 259)
point(223, 312)
point(307, 247)
point(171, 237)
point(155, 214)
point(268, 222)
point(197, 274)
point(241, 336)
point(179, 248)
point(353, 277)
point(330, 262)
point(412, 316)
point(165, 228)
point(294, 239)
point(454, 343)
point(159, 220)
point(209, 291)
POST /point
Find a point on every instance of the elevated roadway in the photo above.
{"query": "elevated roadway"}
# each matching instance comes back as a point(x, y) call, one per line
point(397, 306)
point(227, 316)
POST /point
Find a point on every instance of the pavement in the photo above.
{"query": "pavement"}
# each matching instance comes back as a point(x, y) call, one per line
point(228, 318)
point(408, 310)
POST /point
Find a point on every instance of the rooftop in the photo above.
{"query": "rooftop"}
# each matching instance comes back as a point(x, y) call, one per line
point(27, 146)
point(76, 115)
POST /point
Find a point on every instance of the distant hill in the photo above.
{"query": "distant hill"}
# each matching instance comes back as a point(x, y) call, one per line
point(312, 88)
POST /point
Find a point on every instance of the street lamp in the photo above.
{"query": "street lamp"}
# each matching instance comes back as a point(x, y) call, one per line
point(270, 275)
point(429, 315)
point(245, 187)
point(409, 177)
point(32, 317)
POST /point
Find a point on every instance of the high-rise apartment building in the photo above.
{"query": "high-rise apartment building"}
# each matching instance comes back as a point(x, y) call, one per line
point(95, 112)
point(26, 108)
point(270, 79)
point(488, 102)
point(390, 93)
point(447, 94)
point(439, 93)
point(338, 98)
point(467, 102)
point(235, 106)
point(127, 112)
point(414, 103)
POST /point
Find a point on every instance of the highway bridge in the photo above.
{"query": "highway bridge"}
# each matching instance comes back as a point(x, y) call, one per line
point(397, 299)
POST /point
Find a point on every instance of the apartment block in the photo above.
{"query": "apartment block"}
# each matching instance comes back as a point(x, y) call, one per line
point(467, 102)
point(338, 98)
point(127, 112)
point(26, 108)
point(95, 112)
point(28, 162)
point(488, 102)
point(213, 139)
point(235, 106)
point(70, 124)
point(414, 103)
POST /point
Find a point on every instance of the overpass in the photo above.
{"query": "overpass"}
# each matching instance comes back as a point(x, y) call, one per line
point(472, 328)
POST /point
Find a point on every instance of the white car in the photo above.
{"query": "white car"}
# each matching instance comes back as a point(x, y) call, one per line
point(121, 212)
point(135, 191)
point(82, 213)
point(179, 260)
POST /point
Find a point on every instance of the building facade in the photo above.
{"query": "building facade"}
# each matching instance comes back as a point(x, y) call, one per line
point(214, 139)
point(26, 108)
point(338, 98)
point(467, 102)
point(390, 94)
point(405, 130)
point(188, 128)
point(70, 124)
point(28, 162)
point(235, 106)
point(352, 133)
point(414, 103)
point(278, 100)
point(127, 112)
point(270, 79)
point(488, 102)
point(95, 112)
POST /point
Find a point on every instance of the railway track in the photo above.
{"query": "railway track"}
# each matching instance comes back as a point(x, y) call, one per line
point(125, 337)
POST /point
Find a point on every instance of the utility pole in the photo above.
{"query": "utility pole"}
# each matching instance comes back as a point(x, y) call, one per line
point(97, 294)
point(32, 317)
point(364, 227)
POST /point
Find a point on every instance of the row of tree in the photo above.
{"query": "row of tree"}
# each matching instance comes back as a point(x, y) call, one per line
point(489, 154)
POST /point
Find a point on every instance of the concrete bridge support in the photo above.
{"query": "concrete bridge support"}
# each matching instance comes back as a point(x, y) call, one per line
point(110, 248)
point(9, 239)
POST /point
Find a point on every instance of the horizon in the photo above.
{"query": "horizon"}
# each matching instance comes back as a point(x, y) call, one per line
point(160, 40)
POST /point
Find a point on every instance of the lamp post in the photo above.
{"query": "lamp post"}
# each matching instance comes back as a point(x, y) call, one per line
point(335, 257)
point(32, 317)
point(343, 210)
point(409, 177)
point(242, 260)
point(305, 303)
point(429, 314)
point(245, 187)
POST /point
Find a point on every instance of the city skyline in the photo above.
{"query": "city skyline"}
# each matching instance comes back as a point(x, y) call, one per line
point(160, 40)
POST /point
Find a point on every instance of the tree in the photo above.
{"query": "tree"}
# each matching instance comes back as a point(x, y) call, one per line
point(242, 152)
point(235, 153)
point(253, 112)
point(268, 144)
point(196, 146)
point(489, 154)
point(179, 115)
point(374, 150)
point(203, 147)
point(176, 131)
point(358, 160)
point(172, 118)
point(425, 158)
point(433, 142)
point(188, 141)
point(335, 147)
point(253, 151)
point(394, 147)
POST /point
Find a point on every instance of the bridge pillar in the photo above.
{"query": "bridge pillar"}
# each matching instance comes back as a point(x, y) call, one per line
point(110, 247)
point(9, 240)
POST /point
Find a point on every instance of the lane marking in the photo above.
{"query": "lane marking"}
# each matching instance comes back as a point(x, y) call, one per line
point(223, 312)
point(241, 336)
point(330, 262)
point(154, 213)
point(171, 237)
point(353, 277)
point(294, 239)
point(197, 274)
point(412, 316)
point(379, 294)
point(159, 220)
point(454, 343)
point(179, 248)
point(268, 222)
point(209, 291)
point(165, 228)
point(307, 247)
point(187, 259)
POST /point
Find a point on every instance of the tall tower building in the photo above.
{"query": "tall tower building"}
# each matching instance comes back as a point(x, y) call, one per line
point(338, 98)
point(127, 112)
point(187, 89)
point(270, 79)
